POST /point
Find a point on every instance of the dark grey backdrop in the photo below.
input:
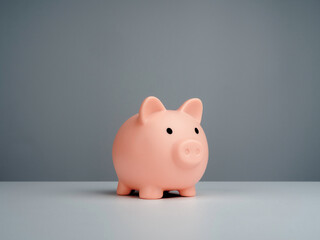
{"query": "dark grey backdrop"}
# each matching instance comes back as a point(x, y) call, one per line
point(71, 72)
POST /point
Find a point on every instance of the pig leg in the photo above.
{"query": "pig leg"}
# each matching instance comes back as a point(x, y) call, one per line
point(123, 189)
point(188, 192)
point(150, 193)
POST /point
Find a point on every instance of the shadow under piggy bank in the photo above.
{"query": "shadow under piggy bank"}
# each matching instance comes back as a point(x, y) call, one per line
point(166, 194)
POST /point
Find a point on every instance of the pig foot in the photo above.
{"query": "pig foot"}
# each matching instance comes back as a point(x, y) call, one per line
point(150, 193)
point(188, 192)
point(123, 189)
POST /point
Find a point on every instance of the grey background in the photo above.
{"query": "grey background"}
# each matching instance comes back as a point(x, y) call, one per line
point(71, 72)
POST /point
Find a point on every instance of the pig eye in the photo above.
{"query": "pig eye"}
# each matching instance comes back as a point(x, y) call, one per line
point(196, 130)
point(169, 130)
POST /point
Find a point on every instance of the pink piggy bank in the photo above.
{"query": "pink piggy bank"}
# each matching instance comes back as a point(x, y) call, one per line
point(160, 150)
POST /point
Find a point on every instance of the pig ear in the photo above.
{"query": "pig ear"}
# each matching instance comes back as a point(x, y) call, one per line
point(149, 106)
point(193, 107)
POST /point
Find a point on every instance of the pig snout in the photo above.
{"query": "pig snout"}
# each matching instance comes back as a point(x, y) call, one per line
point(188, 153)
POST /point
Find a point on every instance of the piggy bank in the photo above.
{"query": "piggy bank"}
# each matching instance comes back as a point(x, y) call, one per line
point(161, 150)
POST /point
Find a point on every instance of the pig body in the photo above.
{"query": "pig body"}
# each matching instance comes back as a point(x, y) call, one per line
point(160, 150)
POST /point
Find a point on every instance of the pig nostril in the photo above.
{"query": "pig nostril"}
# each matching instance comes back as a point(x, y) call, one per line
point(197, 151)
point(187, 151)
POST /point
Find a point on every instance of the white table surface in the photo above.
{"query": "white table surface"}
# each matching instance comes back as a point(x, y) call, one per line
point(221, 210)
